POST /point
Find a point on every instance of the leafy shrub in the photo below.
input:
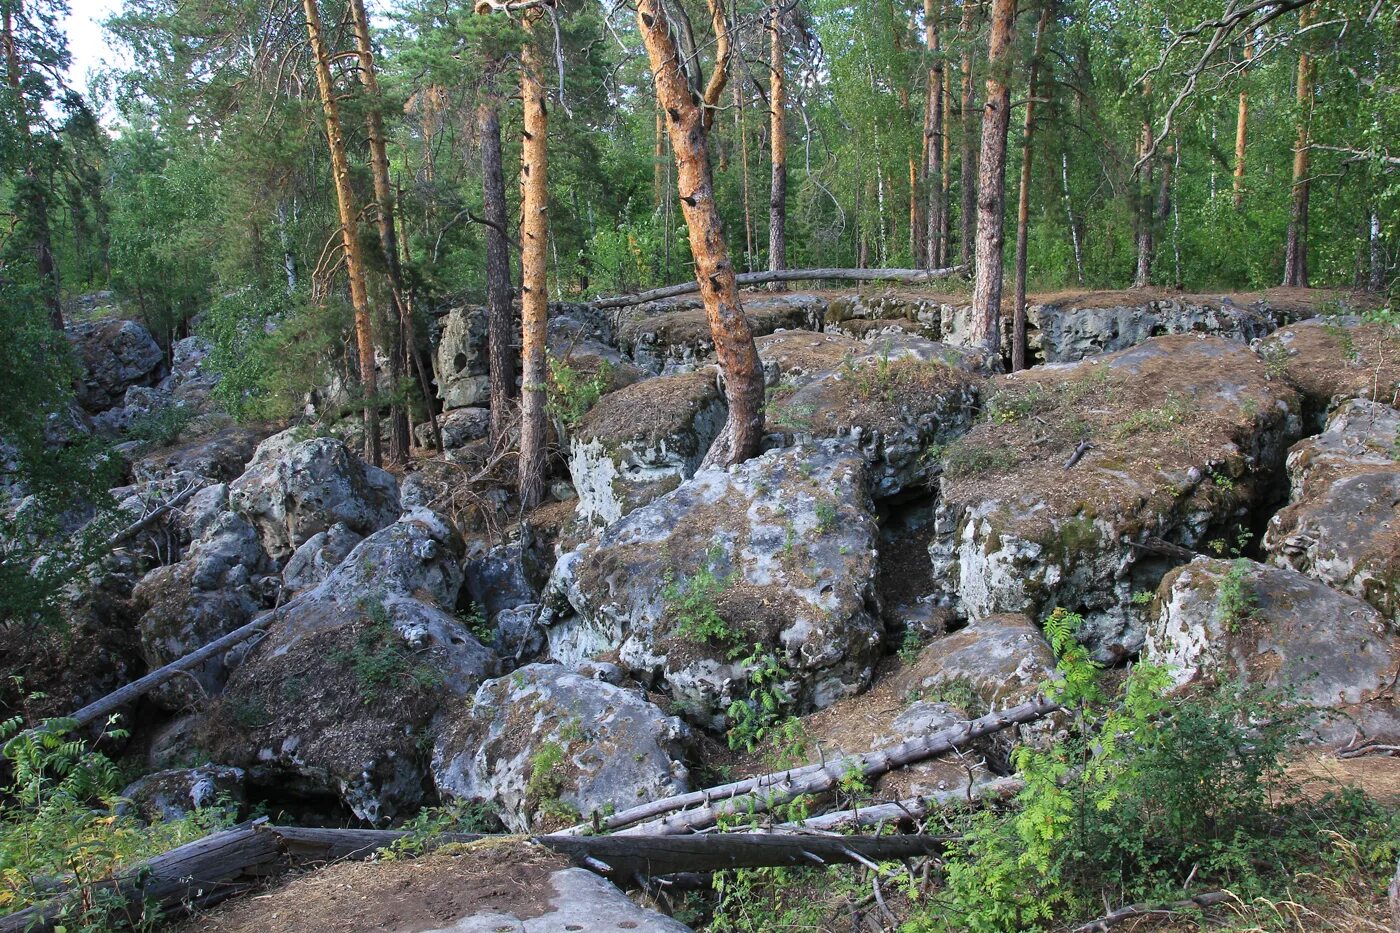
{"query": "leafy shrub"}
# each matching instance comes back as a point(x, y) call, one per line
point(570, 393)
point(159, 427)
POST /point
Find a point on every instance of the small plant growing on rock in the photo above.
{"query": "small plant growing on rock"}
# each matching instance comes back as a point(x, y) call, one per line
point(691, 605)
point(570, 394)
point(378, 658)
point(826, 517)
point(753, 719)
point(1238, 602)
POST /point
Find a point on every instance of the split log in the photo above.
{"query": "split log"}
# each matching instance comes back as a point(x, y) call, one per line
point(903, 276)
point(1134, 911)
point(765, 791)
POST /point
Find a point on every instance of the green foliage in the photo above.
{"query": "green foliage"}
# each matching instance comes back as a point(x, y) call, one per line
point(159, 427)
point(1237, 602)
point(760, 716)
point(570, 393)
point(379, 658)
point(690, 604)
point(428, 827)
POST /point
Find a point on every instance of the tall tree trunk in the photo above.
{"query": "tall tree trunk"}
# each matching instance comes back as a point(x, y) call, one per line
point(534, 274)
point(1023, 202)
point(743, 131)
point(991, 187)
point(967, 166)
point(500, 319)
point(1295, 256)
point(1163, 209)
point(743, 382)
point(658, 154)
point(1241, 124)
point(31, 191)
point(1146, 245)
point(398, 322)
point(946, 182)
point(777, 195)
point(933, 141)
point(1069, 216)
point(1375, 282)
point(349, 232)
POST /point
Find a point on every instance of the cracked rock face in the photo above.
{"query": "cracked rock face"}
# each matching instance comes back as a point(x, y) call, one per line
point(115, 355)
point(1223, 620)
point(1065, 333)
point(780, 550)
point(292, 493)
point(548, 746)
point(1330, 360)
point(673, 336)
point(1184, 438)
point(643, 441)
point(173, 794)
point(463, 363)
point(1342, 525)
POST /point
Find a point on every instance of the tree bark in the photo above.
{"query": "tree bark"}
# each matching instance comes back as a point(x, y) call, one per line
point(1295, 256)
point(1146, 245)
point(933, 141)
point(991, 188)
point(349, 223)
point(534, 246)
point(1023, 201)
point(946, 182)
point(967, 165)
point(500, 316)
point(908, 276)
point(1375, 282)
point(724, 48)
point(777, 141)
point(399, 323)
point(36, 201)
point(743, 432)
point(1241, 124)
point(743, 132)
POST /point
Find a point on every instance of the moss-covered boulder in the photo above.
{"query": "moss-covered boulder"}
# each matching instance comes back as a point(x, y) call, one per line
point(1079, 479)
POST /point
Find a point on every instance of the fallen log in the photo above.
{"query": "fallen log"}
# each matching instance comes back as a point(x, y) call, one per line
point(904, 276)
point(763, 792)
point(910, 809)
point(1134, 911)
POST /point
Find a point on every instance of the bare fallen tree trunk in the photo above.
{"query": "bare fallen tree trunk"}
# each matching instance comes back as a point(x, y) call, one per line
point(910, 809)
point(1135, 911)
point(905, 276)
point(768, 790)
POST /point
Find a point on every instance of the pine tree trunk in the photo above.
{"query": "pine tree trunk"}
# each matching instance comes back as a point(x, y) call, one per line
point(500, 317)
point(658, 171)
point(1376, 280)
point(933, 142)
point(1146, 246)
point(945, 225)
point(31, 189)
point(991, 188)
point(967, 166)
point(738, 357)
point(349, 232)
point(399, 322)
point(534, 247)
point(1241, 124)
point(1295, 256)
point(777, 141)
point(1023, 202)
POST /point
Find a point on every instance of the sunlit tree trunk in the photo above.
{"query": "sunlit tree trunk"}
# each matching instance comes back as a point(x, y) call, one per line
point(500, 323)
point(991, 188)
point(967, 166)
point(946, 182)
point(933, 141)
point(777, 196)
point(349, 221)
point(31, 192)
point(1295, 256)
point(734, 346)
point(1023, 203)
point(534, 301)
point(1241, 124)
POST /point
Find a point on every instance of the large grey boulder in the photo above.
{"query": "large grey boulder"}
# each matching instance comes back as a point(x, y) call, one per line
point(1069, 330)
point(993, 663)
point(339, 696)
point(772, 558)
point(891, 399)
point(673, 336)
point(221, 456)
point(463, 363)
point(459, 426)
point(311, 487)
point(318, 556)
point(1059, 496)
point(578, 900)
point(546, 746)
point(643, 441)
point(1222, 621)
point(190, 382)
point(115, 355)
point(1342, 525)
point(178, 792)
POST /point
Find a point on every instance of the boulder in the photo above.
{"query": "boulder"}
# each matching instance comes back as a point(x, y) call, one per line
point(642, 441)
point(768, 562)
point(190, 381)
point(673, 336)
point(1086, 325)
point(318, 556)
point(1060, 495)
point(546, 746)
point(994, 663)
point(892, 399)
point(459, 426)
point(174, 794)
point(577, 899)
point(311, 487)
point(1342, 524)
point(1222, 621)
point(115, 355)
point(220, 456)
point(463, 363)
point(1332, 359)
point(339, 696)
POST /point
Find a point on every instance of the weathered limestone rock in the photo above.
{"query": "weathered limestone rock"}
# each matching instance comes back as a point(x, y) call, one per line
point(173, 794)
point(190, 382)
point(1077, 328)
point(220, 457)
point(340, 694)
point(994, 663)
point(546, 745)
point(459, 426)
point(463, 368)
point(642, 441)
point(1330, 360)
point(317, 557)
point(673, 336)
point(1225, 620)
point(578, 900)
point(311, 487)
point(892, 399)
point(771, 557)
point(1186, 435)
point(1342, 525)
point(115, 355)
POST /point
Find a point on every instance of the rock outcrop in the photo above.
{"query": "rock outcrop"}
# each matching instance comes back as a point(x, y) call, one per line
point(1332, 359)
point(115, 355)
point(173, 794)
point(673, 336)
